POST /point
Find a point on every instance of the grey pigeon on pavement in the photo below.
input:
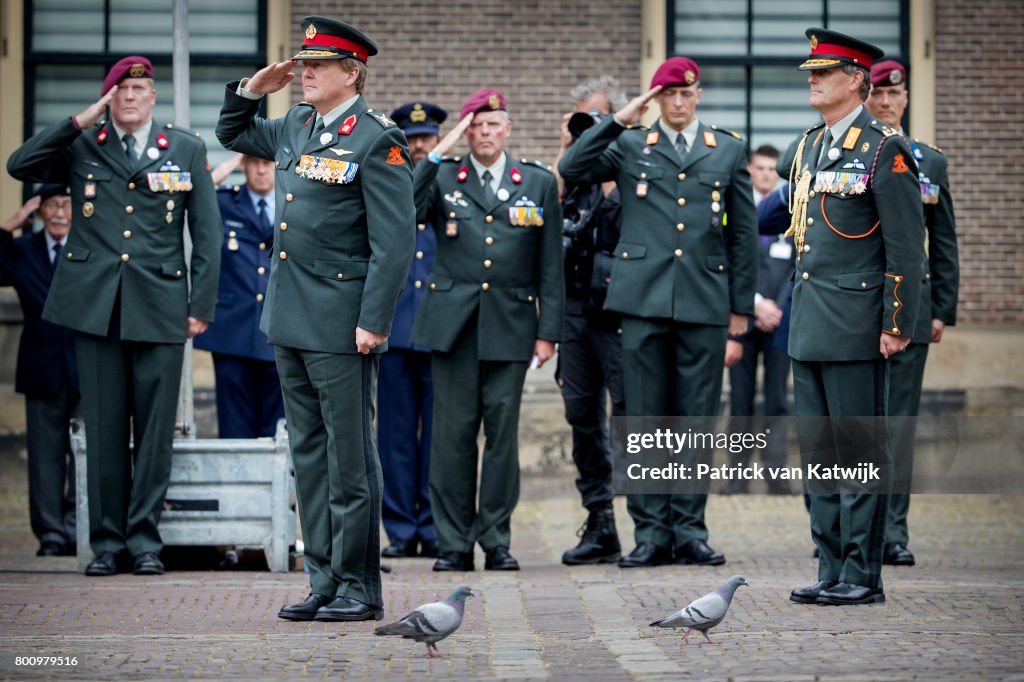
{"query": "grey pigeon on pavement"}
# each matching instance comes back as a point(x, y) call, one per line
point(430, 623)
point(704, 613)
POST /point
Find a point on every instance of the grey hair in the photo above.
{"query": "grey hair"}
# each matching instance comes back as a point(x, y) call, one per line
point(865, 85)
point(604, 84)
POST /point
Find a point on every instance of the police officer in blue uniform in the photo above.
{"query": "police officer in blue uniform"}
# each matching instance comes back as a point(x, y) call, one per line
point(249, 400)
point(405, 393)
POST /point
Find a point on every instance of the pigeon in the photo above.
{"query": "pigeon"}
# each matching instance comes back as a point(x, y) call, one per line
point(704, 613)
point(430, 623)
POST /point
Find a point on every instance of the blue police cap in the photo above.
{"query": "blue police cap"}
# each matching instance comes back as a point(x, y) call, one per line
point(419, 118)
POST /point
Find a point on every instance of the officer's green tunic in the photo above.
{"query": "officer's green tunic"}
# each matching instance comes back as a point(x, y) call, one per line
point(343, 240)
point(496, 288)
point(122, 286)
point(682, 267)
point(938, 302)
point(858, 275)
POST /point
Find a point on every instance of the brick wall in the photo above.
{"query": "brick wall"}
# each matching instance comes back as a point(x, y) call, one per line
point(979, 124)
point(534, 51)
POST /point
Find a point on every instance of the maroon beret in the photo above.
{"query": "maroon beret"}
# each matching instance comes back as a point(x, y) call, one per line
point(888, 72)
point(487, 99)
point(676, 71)
point(129, 67)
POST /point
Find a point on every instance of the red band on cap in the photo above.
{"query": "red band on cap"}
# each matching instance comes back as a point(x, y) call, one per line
point(839, 51)
point(323, 39)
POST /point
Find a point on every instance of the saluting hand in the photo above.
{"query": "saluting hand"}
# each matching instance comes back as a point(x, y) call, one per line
point(637, 107)
point(449, 141)
point(88, 117)
point(271, 78)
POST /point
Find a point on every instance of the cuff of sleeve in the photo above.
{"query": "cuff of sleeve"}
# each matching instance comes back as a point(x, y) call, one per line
point(242, 92)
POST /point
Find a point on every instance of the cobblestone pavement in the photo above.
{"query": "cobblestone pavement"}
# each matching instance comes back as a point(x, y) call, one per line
point(959, 614)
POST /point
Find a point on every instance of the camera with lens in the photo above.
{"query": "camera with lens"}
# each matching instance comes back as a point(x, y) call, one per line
point(581, 121)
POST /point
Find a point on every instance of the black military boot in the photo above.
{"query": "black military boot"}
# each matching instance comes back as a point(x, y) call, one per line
point(599, 543)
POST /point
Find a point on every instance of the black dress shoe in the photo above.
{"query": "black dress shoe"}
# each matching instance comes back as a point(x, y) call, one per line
point(646, 555)
point(454, 561)
point(842, 594)
point(50, 548)
point(103, 565)
point(897, 554)
point(148, 563)
point(698, 552)
point(347, 608)
point(307, 609)
point(400, 549)
point(809, 595)
point(498, 559)
point(429, 549)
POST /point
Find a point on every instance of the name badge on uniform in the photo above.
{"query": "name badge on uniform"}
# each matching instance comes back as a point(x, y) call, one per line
point(781, 249)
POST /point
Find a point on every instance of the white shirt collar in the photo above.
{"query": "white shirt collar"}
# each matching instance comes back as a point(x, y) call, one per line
point(497, 169)
point(255, 199)
point(689, 133)
point(50, 241)
point(141, 136)
point(843, 124)
point(335, 113)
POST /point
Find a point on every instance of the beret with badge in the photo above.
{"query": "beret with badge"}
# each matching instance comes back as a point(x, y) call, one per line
point(676, 71)
point(487, 99)
point(327, 38)
point(888, 72)
point(129, 67)
point(419, 118)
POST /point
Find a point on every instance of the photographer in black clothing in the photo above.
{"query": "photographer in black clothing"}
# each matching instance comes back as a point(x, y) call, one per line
point(590, 355)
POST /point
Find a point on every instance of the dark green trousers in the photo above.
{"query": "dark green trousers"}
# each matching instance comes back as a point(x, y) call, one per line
point(847, 527)
point(328, 406)
point(468, 390)
point(670, 369)
point(906, 377)
point(129, 390)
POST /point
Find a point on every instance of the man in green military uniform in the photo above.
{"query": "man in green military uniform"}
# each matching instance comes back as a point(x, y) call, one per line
point(887, 102)
point(858, 229)
point(499, 258)
point(122, 285)
point(343, 241)
point(684, 276)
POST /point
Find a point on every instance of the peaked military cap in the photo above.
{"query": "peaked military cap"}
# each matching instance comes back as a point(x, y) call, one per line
point(830, 49)
point(419, 118)
point(129, 67)
point(327, 38)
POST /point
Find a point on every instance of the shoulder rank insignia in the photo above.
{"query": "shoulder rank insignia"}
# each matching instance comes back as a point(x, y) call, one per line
point(652, 137)
point(724, 130)
point(850, 141)
point(709, 139)
point(382, 118)
point(889, 132)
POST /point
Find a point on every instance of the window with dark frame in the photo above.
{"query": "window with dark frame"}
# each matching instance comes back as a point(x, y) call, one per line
point(70, 45)
point(748, 51)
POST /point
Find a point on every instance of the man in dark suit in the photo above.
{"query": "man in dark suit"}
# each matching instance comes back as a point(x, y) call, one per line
point(774, 282)
point(123, 285)
point(249, 400)
point(405, 393)
point(939, 286)
point(683, 277)
point(499, 259)
point(46, 372)
point(858, 229)
point(343, 240)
